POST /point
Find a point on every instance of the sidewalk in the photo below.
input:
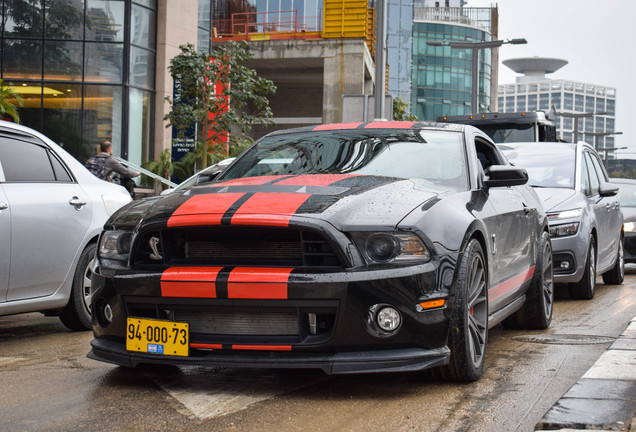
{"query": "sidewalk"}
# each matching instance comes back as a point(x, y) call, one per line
point(605, 397)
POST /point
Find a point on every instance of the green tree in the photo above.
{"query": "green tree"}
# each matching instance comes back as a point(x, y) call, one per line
point(7, 107)
point(198, 104)
point(399, 110)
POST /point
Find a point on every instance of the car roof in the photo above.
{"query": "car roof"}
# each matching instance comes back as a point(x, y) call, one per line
point(376, 125)
point(622, 180)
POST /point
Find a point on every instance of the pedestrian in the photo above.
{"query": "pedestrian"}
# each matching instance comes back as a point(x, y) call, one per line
point(104, 164)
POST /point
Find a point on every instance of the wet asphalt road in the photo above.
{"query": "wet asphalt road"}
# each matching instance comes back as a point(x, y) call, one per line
point(47, 383)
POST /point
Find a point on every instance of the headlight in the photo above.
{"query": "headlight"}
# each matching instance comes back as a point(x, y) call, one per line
point(381, 248)
point(567, 214)
point(564, 229)
point(114, 248)
point(628, 227)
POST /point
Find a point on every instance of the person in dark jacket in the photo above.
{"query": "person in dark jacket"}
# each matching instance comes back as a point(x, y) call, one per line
point(112, 164)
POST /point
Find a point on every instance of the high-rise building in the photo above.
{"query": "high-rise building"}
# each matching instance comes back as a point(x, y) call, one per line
point(586, 110)
point(441, 77)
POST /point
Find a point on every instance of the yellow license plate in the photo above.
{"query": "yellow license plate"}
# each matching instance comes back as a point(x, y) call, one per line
point(157, 337)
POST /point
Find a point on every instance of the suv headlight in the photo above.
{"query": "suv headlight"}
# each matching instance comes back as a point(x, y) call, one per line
point(114, 248)
point(566, 214)
point(383, 248)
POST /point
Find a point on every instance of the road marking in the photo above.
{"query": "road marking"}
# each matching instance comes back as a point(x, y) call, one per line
point(209, 393)
point(6, 361)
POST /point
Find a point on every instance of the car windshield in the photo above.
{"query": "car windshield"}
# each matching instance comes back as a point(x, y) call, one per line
point(435, 156)
point(547, 165)
point(627, 194)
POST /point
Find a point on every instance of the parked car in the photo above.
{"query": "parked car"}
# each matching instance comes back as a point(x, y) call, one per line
point(583, 209)
point(205, 175)
point(627, 198)
point(387, 246)
point(52, 210)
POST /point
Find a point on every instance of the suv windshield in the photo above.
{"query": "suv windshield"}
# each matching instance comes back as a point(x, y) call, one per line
point(436, 156)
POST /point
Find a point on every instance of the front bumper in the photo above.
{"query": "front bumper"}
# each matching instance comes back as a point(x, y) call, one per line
point(395, 360)
point(573, 250)
point(344, 338)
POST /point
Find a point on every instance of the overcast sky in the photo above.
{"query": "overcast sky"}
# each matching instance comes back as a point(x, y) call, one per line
point(594, 36)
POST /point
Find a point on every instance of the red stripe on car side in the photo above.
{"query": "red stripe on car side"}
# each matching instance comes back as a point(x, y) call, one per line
point(206, 345)
point(263, 347)
point(314, 179)
point(258, 283)
point(195, 282)
point(337, 126)
point(203, 209)
point(269, 209)
point(510, 284)
point(390, 125)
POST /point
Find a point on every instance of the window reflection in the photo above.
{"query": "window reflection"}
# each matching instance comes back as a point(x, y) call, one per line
point(23, 19)
point(102, 118)
point(64, 19)
point(105, 20)
point(63, 61)
point(23, 59)
point(61, 115)
point(104, 62)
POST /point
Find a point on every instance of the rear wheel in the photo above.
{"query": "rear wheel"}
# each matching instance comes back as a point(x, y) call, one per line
point(617, 274)
point(537, 310)
point(469, 318)
point(77, 313)
point(585, 289)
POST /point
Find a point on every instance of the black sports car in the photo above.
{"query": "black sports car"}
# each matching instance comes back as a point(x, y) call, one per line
point(367, 247)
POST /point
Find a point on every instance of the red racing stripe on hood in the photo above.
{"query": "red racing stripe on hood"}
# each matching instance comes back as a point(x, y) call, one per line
point(258, 283)
point(203, 209)
point(314, 179)
point(265, 208)
point(196, 282)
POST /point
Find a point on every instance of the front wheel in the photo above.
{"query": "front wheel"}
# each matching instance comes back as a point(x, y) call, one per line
point(469, 317)
point(586, 288)
point(617, 274)
point(77, 313)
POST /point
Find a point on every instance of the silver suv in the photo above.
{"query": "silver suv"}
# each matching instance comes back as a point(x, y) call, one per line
point(583, 211)
point(52, 210)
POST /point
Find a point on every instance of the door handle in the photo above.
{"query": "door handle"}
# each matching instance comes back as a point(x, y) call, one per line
point(77, 203)
point(4, 206)
point(608, 206)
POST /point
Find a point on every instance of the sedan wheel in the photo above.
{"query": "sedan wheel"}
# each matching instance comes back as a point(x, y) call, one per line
point(77, 313)
point(585, 289)
point(469, 317)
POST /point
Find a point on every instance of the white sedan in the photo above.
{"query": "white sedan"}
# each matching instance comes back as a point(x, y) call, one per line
point(52, 210)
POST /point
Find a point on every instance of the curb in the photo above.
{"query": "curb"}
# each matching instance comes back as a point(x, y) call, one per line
point(605, 397)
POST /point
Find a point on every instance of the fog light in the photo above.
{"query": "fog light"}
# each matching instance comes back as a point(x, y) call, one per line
point(108, 313)
point(388, 319)
point(564, 265)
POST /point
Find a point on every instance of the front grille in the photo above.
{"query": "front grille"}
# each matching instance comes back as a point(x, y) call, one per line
point(231, 323)
point(236, 246)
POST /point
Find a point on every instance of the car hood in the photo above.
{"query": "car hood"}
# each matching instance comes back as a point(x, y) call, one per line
point(629, 214)
point(343, 200)
point(552, 198)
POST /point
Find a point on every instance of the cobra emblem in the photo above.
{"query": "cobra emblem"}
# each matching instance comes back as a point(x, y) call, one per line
point(155, 255)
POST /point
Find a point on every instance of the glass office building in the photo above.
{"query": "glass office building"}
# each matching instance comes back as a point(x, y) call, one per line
point(442, 76)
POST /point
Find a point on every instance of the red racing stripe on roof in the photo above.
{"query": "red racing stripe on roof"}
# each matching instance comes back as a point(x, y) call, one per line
point(269, 208)
point(390, 125)
point(191, 282)
point(203, 209)
point(338, 126)
point(258, 283)
point(511, 284)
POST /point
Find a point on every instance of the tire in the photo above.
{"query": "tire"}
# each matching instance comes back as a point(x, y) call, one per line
point(77, 313)
point(585, 289)
point(617, 274)
point(536, 313)
point(469, 318)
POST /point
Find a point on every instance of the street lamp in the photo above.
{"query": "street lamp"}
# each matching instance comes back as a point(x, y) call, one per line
point(576, 117)
point(596, 135)
point(475, 47)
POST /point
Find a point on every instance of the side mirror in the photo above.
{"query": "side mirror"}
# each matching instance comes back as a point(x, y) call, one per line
point(505, 175)
point(607, 189)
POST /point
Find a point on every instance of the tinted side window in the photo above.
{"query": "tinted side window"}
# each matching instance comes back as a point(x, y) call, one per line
point(600, 171)
point(585, 177)
point(25, 162)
